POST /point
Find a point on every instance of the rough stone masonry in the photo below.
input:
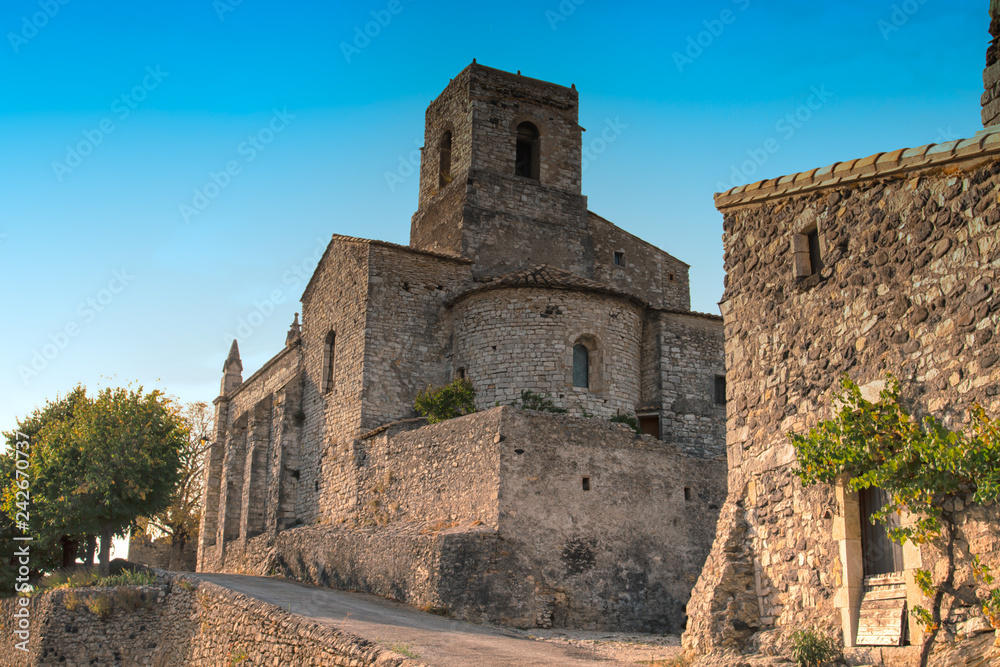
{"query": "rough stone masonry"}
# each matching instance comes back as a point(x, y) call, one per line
point(883, 264)
point(320, 471)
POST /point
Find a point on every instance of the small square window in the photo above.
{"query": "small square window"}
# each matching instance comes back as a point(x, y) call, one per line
point(619, 258)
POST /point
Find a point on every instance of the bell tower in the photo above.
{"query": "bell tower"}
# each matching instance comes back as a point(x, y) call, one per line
point(500, 175)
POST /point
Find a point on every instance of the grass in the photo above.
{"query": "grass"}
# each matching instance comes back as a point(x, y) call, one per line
point(403, 649)
point(89, 577)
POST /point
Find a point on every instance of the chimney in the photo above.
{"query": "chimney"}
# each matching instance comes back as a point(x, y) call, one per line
point(991, 75)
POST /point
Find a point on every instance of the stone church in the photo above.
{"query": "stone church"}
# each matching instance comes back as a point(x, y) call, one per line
point(887, 263)
point(321, 470)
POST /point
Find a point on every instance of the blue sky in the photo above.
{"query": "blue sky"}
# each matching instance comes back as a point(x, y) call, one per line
point(115, 115)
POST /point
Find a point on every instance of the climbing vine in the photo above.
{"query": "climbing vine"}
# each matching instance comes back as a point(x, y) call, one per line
point(922, 466)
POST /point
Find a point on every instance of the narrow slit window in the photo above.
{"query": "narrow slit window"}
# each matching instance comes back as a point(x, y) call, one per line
point(444, 169)
point(586, 484)
point(807, 253)
point(581, 366)
point(815, 260)
point(526, 161)
point(720, 389)
point(329, 360)
point(687, 493)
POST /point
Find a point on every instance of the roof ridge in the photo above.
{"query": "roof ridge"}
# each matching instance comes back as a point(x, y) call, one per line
point(985, 143)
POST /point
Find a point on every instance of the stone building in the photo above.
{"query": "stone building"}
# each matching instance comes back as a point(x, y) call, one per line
point(320, 470)
point(882, 264)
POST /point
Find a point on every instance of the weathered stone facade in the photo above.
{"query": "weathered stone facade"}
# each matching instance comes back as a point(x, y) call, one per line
point(515, 517)
point(908, 250)
point(507, 272)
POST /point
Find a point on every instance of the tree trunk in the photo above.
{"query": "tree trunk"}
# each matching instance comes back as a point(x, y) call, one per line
point(176, 553)
point(88, 559)
point(106, 535)
point(925, 650)
point(69, 547)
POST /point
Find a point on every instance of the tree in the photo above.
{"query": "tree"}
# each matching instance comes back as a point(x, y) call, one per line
point(922, 466)
point(97, 465)
point(179, 521)
point(131, 443)
point(53, 514)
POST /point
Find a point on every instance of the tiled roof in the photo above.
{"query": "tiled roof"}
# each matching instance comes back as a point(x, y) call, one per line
point(986, 143)
point(548, 277)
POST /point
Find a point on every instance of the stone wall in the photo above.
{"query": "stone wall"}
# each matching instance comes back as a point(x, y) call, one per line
point(690, 359)
point(445, 475)
point(334, 301)
point(496, 525)
point(511, 340)
point(158, 553)
point(185, 621)
point(910, 254)
point(611, 528)
point(408, 333)
point(502, 221)
point(645, 271)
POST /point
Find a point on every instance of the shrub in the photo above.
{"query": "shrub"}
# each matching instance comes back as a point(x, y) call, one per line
point(629, 420)
point(452, 400)
point(811, 649)
point(101, 605)
point(72, 601)
point(541, 402)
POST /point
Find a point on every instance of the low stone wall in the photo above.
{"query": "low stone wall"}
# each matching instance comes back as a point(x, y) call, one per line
point(185, 621)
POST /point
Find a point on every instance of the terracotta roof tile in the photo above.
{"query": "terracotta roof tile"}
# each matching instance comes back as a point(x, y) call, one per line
point(546, 276)
point(984, 144)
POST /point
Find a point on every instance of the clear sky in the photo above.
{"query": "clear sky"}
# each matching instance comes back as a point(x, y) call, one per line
point(115, 115)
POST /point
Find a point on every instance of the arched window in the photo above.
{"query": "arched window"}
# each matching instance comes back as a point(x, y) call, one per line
point(581, 366)
point(329, 355)
point(526, 161)
point(444, 154)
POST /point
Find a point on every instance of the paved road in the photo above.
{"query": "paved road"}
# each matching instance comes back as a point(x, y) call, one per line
point(436, 640)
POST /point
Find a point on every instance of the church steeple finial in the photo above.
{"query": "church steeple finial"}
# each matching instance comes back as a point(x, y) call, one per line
point(234, 357)
point(232, 370)
point(294, 332)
